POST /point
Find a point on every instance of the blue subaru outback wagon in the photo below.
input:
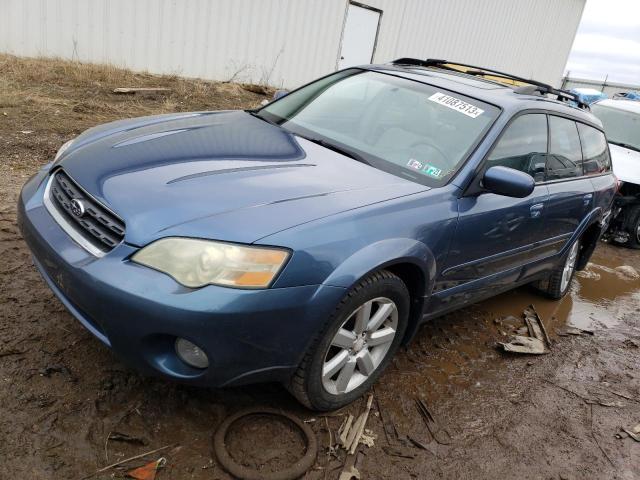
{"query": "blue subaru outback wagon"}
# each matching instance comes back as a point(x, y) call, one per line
point(306, 241)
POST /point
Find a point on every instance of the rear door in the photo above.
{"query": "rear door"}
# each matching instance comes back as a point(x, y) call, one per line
point(570, 191)
point(495, 233)
point(597, 165)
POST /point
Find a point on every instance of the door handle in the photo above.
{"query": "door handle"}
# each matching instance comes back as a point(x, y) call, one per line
point(536, 210)
point(587, 199)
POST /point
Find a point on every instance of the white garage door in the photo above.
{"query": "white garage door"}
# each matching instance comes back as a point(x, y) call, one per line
point(359, 37)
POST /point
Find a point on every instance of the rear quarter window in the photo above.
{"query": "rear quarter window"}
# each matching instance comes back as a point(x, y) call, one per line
point(595, 150)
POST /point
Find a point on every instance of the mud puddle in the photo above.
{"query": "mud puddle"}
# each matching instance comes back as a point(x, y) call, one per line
point(454, 359)
point(601, 295)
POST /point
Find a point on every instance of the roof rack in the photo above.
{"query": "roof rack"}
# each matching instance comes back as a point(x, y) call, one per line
point(523, 85)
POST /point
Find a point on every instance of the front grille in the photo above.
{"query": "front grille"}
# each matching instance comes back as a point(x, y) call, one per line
point(97, 225)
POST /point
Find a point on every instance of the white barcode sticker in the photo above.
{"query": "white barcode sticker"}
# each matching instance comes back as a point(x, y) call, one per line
point(456, 104)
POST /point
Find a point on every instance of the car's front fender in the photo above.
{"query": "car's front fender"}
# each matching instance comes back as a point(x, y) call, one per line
point(391, 254)
point(382, 254)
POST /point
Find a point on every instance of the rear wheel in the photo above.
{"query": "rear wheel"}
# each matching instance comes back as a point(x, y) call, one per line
point(557, 285)
point(359, 341)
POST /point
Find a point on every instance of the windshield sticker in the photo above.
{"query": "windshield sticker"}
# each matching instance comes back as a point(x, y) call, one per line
point(415, 164)
point(432, 171)
point(456, 104)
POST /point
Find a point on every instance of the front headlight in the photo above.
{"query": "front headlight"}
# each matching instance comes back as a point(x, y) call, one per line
point(196, 263)
point(62, 149)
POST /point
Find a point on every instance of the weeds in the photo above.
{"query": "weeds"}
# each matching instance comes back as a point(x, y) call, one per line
point(63, 97)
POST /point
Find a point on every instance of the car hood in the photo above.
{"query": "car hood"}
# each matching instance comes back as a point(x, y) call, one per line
point(625, 163)
point(221, 175)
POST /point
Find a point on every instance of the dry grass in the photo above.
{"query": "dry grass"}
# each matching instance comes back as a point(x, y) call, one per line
point(62, 96)
point(54, 100)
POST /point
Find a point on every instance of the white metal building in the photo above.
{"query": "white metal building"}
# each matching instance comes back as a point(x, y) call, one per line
point(289, 42)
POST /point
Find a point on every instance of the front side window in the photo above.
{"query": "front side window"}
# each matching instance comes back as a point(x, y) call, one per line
point(407, 128)
point(565, 152)
point(622, 127)
point(523, 146)
point(594, 150)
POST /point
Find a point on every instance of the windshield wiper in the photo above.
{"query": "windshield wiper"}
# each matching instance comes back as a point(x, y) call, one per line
point(336, 148)
point(319, 141)
point(626, 145)
point(264, 119)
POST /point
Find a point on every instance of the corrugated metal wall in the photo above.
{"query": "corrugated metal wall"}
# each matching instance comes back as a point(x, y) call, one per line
point(288, 42)
point(531, 38)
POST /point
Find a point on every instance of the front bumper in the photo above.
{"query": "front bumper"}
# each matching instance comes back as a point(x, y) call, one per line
point(248, 335)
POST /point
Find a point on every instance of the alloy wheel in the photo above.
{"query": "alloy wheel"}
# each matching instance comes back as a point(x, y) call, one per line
point(569, 266)
point(360, 345)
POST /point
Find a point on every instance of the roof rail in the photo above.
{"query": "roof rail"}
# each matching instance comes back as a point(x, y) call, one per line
point(541, 88)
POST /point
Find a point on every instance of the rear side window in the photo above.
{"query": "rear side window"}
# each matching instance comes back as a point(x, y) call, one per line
point(594, 150)
point(565, 153)
point(523, 146)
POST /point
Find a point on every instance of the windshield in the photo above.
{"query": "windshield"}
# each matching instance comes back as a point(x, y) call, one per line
point(406, 128)
point(621, 127)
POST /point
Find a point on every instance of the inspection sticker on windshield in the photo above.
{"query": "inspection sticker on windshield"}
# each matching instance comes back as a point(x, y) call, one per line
point(456, 104)
point(415, 164)
point(432, 171)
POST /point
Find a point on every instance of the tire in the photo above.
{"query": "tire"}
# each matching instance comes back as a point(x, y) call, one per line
point(557, 284)
point(632, 226)
point(363, 356)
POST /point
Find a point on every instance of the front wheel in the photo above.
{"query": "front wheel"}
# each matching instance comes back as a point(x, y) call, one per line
point(557, 285)
point(359, 341)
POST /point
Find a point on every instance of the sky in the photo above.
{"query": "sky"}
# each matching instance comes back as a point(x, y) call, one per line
point(608, 42)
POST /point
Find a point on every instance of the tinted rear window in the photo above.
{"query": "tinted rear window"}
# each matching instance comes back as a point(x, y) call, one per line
point(595, 150)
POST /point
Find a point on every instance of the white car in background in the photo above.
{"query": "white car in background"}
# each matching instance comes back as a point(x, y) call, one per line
point(621, 120)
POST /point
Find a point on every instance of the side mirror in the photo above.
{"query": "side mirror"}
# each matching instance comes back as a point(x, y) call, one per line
point(279, 94)
point(508, 182)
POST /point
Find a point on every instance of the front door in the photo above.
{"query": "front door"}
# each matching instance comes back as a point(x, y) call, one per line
point(359, 36)
point(495, 233)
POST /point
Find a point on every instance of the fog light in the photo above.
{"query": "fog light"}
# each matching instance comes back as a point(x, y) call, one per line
point(191, 354)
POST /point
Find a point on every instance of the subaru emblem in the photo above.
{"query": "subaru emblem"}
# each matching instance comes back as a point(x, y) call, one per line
point(77, 207)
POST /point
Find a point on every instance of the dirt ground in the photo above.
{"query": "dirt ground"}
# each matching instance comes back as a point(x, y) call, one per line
point(499, 415)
